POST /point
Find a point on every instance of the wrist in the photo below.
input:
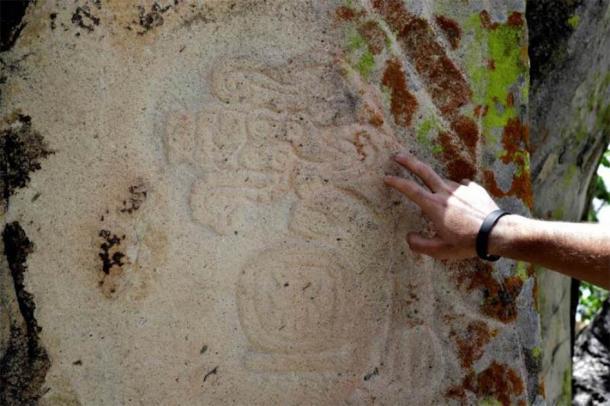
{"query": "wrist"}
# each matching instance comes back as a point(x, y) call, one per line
point(504, 237)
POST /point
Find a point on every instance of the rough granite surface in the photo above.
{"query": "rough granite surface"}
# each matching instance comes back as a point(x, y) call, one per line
point(195, 213)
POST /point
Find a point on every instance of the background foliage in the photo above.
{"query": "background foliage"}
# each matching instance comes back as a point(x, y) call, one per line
point(591, 296)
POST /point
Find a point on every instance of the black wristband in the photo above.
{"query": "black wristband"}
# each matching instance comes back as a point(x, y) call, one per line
point(483, 235)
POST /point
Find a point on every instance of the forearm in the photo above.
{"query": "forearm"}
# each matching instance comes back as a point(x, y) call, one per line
point(578, 250)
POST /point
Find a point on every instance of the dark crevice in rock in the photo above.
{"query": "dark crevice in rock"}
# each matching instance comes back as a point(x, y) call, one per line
point(11, 22)
point(21, 149)
point(549, 30)
point(25, 363)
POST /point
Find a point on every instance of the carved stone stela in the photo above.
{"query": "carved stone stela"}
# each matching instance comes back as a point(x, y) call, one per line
point(211, 226)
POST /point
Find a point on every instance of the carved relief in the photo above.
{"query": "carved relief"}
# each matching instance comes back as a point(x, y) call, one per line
point(281, 134)
point(292, 301)
point(272, 131)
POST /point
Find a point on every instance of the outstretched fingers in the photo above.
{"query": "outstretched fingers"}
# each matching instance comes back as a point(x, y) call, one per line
point(433, 247)
point(434, 182)
point(410, 189)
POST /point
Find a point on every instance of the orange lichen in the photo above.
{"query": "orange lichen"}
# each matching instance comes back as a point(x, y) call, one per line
point(403, 103)
point(458, 167)
point(541, 388)
point(521, 187)
point(498, 381)
point(481, 111)
point(516, 19)
point(446, 84)
point(486, 20)
point(531, 272)
point(374, 36)
point(345, 13)
point(471, 344)
point(498, 297)
point(468, 131)
point(515, 139)
point(451, 28)
point(376, 119)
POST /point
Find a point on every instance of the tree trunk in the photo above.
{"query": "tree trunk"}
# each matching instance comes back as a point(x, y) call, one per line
point(570, 121)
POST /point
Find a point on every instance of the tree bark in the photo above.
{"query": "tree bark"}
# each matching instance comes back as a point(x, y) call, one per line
point(570, 128)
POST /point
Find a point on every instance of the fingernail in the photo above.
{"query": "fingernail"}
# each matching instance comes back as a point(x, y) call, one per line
point(403, 155)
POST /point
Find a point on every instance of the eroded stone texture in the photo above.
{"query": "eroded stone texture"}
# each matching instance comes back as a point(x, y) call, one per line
point(212, 227)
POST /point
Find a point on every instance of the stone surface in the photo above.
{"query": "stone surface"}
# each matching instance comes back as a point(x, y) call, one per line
point(208, 220)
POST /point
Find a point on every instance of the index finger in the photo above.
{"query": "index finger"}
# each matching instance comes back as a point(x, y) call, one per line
point(411, 190)
point(423, 171)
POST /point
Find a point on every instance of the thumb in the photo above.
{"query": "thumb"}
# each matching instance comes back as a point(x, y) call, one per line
point(427, 246)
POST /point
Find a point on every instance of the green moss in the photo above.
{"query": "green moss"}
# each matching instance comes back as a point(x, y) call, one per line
point(366, 64)
point(437, 149)
point(569, 175)
point(558, 213)
point(360, 57)
point(566, 388)
point(602, 120)
point(521, 270)
point(355, 41)
point(581, 132)
point(423, 131)
point(490, 402)
point(537, 353)
point(505, 46)
point(574, 21)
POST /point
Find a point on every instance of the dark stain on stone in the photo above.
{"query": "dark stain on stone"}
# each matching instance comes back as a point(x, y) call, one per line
point(137, 196)
point(21, 150)
point(151, 19)
point(52, 18)
point(214, 371)
point(83, 18)
point(25, 363)
point(109, 253)
point(451, 29)
point(371, 375)
point(11, 22)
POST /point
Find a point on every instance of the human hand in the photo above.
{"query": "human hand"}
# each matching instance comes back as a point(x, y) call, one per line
point(456, 210)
